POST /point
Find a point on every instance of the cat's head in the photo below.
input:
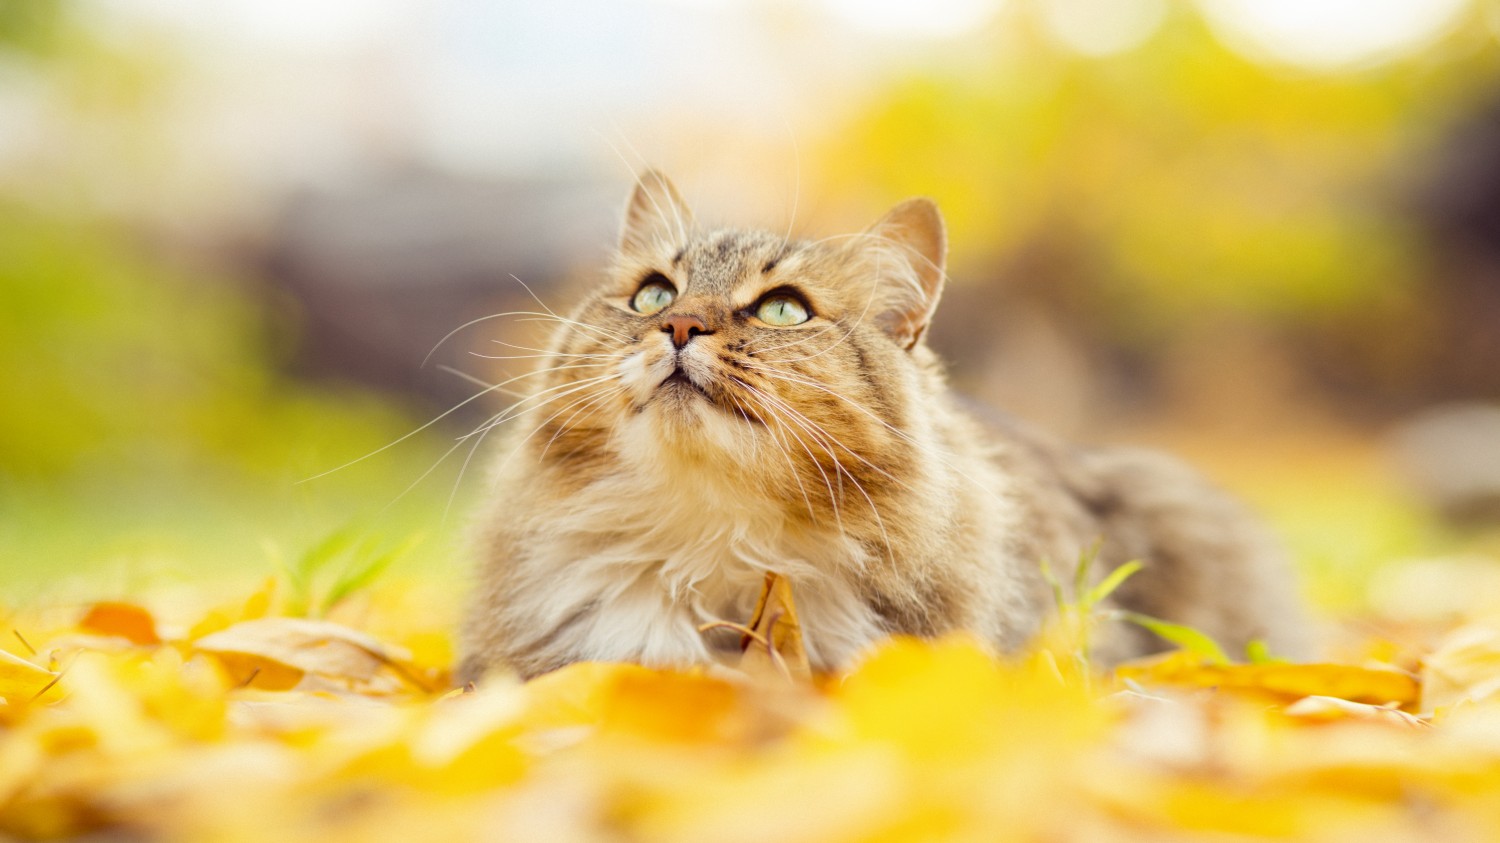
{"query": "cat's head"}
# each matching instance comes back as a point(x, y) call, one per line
point(798, 365)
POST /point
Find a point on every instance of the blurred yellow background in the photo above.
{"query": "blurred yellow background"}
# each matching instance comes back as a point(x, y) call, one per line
point(1263, 233)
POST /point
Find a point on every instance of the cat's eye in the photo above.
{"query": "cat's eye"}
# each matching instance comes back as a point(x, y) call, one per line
point(654, 295)
point(782, 311)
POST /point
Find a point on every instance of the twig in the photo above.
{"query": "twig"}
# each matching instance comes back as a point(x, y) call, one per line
point(56, 679)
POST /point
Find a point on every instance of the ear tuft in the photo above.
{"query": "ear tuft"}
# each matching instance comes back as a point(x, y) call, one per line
point(912, 245)
point(655, 214)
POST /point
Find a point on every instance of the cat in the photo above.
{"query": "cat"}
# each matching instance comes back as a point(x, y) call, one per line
point(727, 403)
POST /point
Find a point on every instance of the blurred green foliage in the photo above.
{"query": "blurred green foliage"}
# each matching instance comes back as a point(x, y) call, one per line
point(147, 426)
point(1151, 195)
point(117, 355)
point(1171, 180)
point(146, 423)
point(31, 26)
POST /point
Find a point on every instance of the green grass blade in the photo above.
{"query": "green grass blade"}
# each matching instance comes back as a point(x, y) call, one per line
point(335, 545)
point(1258, 652)
point(1184, 637)
point(301, 573)
point(360, 575)
point(1055, 584)
point(1116, 578)
point(1086, 561)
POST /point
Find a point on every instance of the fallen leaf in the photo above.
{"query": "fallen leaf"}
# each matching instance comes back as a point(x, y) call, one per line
point(1465, 667)
point(627, 699)
point(257, 605)
point(277, 653)
point(1283, 681)
point(21, 681)
point(124, 620)
point(773, 645)
point(1330, 709)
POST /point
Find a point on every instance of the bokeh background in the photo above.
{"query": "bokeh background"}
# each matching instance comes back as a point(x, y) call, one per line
point(1263, 233)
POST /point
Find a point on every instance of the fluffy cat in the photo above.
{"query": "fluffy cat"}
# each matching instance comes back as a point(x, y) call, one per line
point(730, 402)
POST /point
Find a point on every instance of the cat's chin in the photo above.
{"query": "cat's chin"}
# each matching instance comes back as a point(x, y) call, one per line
point(684, 420)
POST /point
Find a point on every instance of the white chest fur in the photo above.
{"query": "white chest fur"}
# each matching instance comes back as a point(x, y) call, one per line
point(630, 569)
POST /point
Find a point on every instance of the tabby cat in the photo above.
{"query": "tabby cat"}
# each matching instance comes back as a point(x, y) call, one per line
point(729, 402)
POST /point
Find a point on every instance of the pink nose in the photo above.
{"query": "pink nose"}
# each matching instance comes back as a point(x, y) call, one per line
point(682, 328)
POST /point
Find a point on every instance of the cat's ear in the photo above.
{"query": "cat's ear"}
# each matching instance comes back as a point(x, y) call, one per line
point(911, 246)
point(655, 214)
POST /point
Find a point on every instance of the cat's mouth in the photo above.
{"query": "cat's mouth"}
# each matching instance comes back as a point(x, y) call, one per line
point(680, 383)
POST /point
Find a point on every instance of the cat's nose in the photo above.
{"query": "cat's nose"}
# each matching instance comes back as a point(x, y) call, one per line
point(683, 328)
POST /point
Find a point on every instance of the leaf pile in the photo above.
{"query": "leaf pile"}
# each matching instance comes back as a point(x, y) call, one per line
point(246, 726)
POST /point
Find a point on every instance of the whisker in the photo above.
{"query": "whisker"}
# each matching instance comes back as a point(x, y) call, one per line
point(424, 475)
point(608, 334)
point(543, 352)
point(554, 314)
point(784, 451)
point(450, 411)
point(530, 356)
point(588, 402)
point(527, 438)
point(476, 381)
point(925, 448)
point(492, 422)
point(822, 436)
point(480, 440)
point(562, 390)
point(472, 322)
point(850, 451)
point(796, 181)
point(787, 409)
point(682, 228)
point(635, 174)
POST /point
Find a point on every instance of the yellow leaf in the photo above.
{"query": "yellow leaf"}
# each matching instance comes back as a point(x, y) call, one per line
point(20, 680)
point(852, 794)
point(951, 698)
point(467, 744)
point(1282, 681)
point(658, 705)
point(671, 706)
point(257, 605)
point(275, 653)
point(123, 620)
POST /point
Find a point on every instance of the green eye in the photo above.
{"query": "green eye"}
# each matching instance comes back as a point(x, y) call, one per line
point(653, 295)
point(782, 311)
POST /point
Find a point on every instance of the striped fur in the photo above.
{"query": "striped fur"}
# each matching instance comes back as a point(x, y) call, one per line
point(629, 509)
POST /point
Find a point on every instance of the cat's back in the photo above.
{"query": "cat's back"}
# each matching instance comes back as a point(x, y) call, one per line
point(1208, 562)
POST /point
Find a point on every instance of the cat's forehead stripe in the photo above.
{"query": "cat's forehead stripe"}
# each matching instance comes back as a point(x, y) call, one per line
point(721, 261)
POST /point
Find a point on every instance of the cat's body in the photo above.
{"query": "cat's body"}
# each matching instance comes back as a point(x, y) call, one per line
point(732, 403)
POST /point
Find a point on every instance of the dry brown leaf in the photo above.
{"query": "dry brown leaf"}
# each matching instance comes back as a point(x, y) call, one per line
point(123, 620)
point(773, 645)
point(1286, 681)
point(278, 653)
